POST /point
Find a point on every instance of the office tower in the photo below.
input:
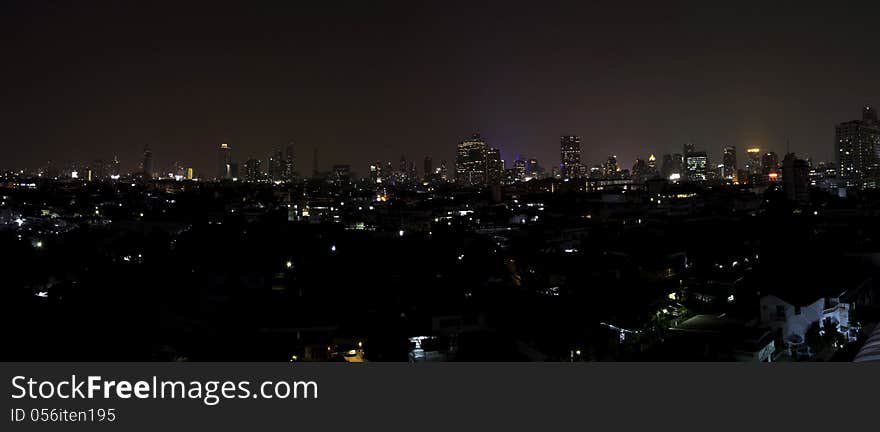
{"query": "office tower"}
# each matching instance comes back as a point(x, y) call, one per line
point(610, 168)
point(795, 179)
point(253, 170)
point(444, 173)
point(275, 166)
point(289, 163)
point(652, 165)
point(376, 172)
point(769, 163)
point(696, 166)
point(428, 167)
point(519, 170)
point(666, 166)
point(411, 172)
point(728, 163)
point(342, 174)
point(533, 169)
point(570, 155)
point(494, 167)
point(857, 150)
point(753, 160)
point(189, 173)
point(148, 162)
point(640, 170)
point(224, 162)
point(114, 168)
point(470, 161)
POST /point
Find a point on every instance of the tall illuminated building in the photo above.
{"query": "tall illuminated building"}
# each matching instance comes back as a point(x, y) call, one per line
point(470, 161)
point(610, 168)
point(770, 163)
point(696, 166)
point(428, 167)
point(253, 171)
point(570, 156)
point(519, 170)
point(289, 163)
point(148, 162)
point(494, 167)
point(753, 160)
point(857, 150)
point(224, 162)
point(728, 163)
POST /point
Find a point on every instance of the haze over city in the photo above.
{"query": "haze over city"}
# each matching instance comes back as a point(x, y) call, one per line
point(374, 82)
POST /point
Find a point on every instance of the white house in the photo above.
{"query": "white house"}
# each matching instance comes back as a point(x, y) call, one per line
point(795, 318)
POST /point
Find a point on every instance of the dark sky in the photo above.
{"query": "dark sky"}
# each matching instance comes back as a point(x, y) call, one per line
point(373, 80)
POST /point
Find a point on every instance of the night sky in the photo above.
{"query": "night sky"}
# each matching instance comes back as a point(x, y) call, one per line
point(371, 80)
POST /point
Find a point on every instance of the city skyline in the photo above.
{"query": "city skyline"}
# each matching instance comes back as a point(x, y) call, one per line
point(379, 82)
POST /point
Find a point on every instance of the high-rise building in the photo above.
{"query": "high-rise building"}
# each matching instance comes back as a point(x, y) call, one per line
point(148, 162)
point(666, 166)
point(857, 150)
point(795, 178)
point(376, 172)
point(533, 169)
point(753, 160)
point(728, 163)
point(519, 170)
point(224, 162)
point(640, 170)
point(696, 166)
point(652, 165)
point(114, 168)
point(610, 168)
point(275, 166)
point(769, 163)
point(428, 167)
point(494, 167)
point(470, 161)
point(253, 170)
point(289, 163)
point(444, 171)
point(570, 156)
point(342, 174)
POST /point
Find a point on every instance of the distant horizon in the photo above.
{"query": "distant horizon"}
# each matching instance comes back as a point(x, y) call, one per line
point(375, 81)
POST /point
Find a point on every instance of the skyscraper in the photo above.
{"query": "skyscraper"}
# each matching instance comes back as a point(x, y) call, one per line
point(753, 160)
point(610, 167)
point(470, 161)
point(289, 163)
point(224, 162)
point(728, 163)
point(795, 178)
point(148, 162)
point(857, 150)
point(652, 165)
point(253, 170)
point(570, 156)
point(428, 166)
point(696, 166)
point(494, 167)
point(519, 170)
point(769, 163)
